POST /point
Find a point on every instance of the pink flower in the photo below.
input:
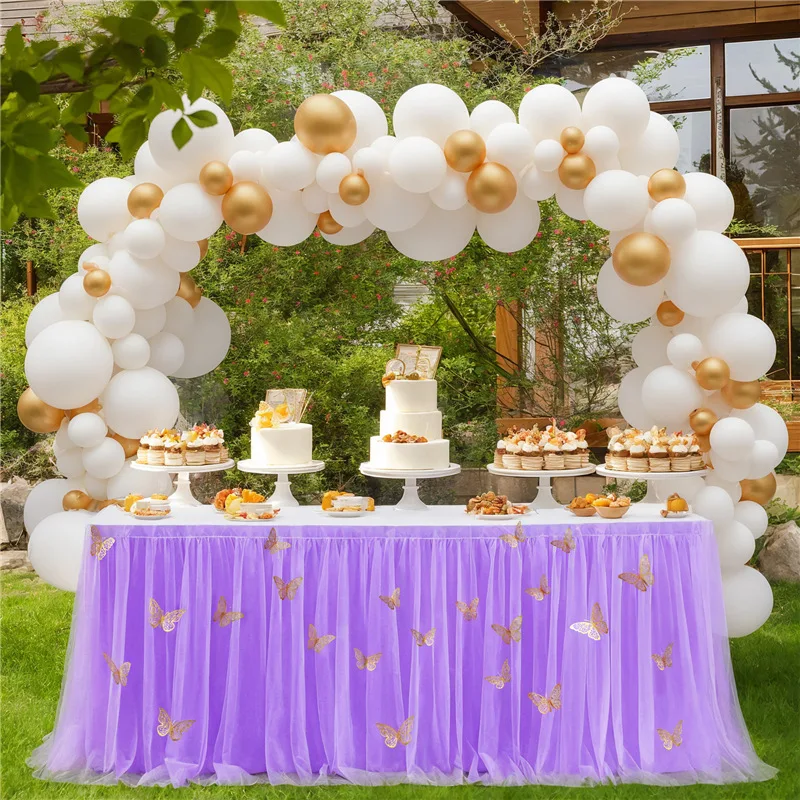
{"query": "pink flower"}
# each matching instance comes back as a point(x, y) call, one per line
point(225, 381)
point(246, 373)
point(247, 301)
point(380, 297)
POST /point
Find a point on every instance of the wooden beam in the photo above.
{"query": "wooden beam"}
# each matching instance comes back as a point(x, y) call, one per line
point(507, 345)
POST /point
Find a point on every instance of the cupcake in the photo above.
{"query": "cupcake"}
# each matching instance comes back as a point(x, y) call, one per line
point(155, 450)
point(531, 456)
point(658, 451)
point(141, 453)
point(637, 460)
point(695, 456)
point(572, 456)
point(511, 459)
point(553, 454)
point(173, 450)
point(499, 452)
point(220, 434)
point(679, 458)
point(617, 452)
point(212, 447)
point(583, 447)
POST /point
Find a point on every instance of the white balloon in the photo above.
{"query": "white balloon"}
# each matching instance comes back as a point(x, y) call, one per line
point(144, 284)
point(245, 166)
point(46, 312)
point(384, 145)
point(763, 459)
point(615, 237)
point(629, 399)
point(741, 307)
point(650, 347)
point(417, 164)
point(748, 601)
point(440, 234)
point(745, 342)
point(331, 170)
point(62, 442)
point(103, 208)
point(430, 110)
point(96, 488)
point(548, 155)
point(147, 171)
point(392, 209)
point(135, 481)
point(69, 364)
point(45, 499)
point(538, 185)
point(314, 199)
point(735, 545)
point(657, 148)
point(672, 220)
point(623, 301)
point(166, 352)
point(714, 503)
point(180, 317)
point(105, 459)
point(73, 300)
point(189, 214)
point(600, 143)
point(345, 214)
point(687, 487)
point(767, 424)
point(570, 201)
point(731, 488)
point(683, 349)
point(207, 345)
point(88, 430)
point(732, 439)
point(729, 471)
point(70, 463)
point(711, 199)
point(451, 193)
point(149, 321)
point(289, 167)
point(144, 238)
point(131, 351)
point(616, 199)
point(697, 326)
point(290, 223)
point(370, 120)
point(139, 399)
point(95, 253)
point(371, 161)
point(114, 316)
point(510, 144)
point(56, 548)
point(252, 140)
point(618, 104)
point(670, 395)
point(547, 109)
point(179, 255)
point(752, 515)
point(350, 235)
point(488, 115)
point(512, 229)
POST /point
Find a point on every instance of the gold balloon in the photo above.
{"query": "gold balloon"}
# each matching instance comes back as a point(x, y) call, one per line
point(130, 446)
point(704, 443)
point(325, 124)
point(36, 415)
point(712, 373)
point(91, 407)
point(491, 188)
point(702, 421)
point(216, 177)
point(572, 139)
point(354, 189)
point(247, 207)
point(641, 259)
point(741, 394)
point(189, 290)
point(327, 224)
point(76, 500)
point(144, 199)
point(668, 314)
point(759, 490)
point(203, 245)
point(464, 151)
point(666, 183)
point(96, 282)
point(577, 171)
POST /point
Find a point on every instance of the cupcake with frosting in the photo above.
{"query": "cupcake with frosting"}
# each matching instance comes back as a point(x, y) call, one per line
point(695, 456)
point(572, 456)
point(155, 449)
point(531, 456)
point(141, 453)
point(511, 459)
point(583, 447)
point(658, 450)
point(194, 454)
point(553, 453)
point(637, 460)
point(679, 458)
point(212, 446)
point(499, 452)
point(617, 452)
point(173, 449)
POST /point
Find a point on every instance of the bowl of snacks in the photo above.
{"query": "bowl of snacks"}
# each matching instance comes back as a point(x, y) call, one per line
point(582, 506)
point(676, 506)
point(609, 506)
point(495, 506)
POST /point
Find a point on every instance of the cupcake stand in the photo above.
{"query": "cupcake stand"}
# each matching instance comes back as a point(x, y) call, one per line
point(544, 497)
point(182, 496)
point(410, 500)
point(651, 477)
point(282, 496)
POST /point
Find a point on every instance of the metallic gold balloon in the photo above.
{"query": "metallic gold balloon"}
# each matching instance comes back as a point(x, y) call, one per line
point(91, 407)
point(96, 282)
point(203, 245)
point(216, 177)
point(491, 188)
point(712, 373)
point(702, 421)
point(641, 259)
point(759, 490)
point(577, 171)
point(325, 124)
point(327, 224)
point(464, 151)
point(572, 139)
point(354, 189)
point(666, 183)
point(704, 443)
point(668, 314)
point(247, 207)
point(741, 394)
point(76, 500)
point(130, 446)
point(36, 415)
point(144, 199)
point(189, 290)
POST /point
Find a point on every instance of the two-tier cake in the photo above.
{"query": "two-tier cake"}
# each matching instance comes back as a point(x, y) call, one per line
point(277, 436)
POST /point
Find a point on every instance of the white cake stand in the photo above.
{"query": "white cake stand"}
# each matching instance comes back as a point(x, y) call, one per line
point(283, 488)
point(410, 500)
point(182, 496)
point(544, 497)
point(651, 477)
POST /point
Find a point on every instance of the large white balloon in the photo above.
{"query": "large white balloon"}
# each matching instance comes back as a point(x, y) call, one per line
point(144, 284)
point(179, 255)
point(600, 144)
point(180, 317)
point(548, 155)
point(289, 167)
point(207, 344)
point(189, 214)
point(371, 161)
point(429, 110)
point(144, 238)
point(767, 424)
point(290, 223)
point(56, 548)
point(166, 352)
point(371, 122)
point(149, 321)
point(146, 170)
point(752, 515)
point(688, 487)
point(103, 208)
point(94, 253)
point(732, 488)
point(727, 470)
point(763, 459)
point(88, 430)
point(488, 115)
point(714, 503)
point(114, 316)
point(314, 199)
point(70, 463)
point(131, 351)
point(73, 300)
point(650, 347)
point(735, 545)
point(135, 481)
point(657, 148)
point(392, 209)
point(252, 140)
point(748, 601)
point(732, 439)
point(245, 166)
point(547, 109)
point(345, 214)
point(570, 201)
point(451, 193)
point(629, 399)
point(45, 499)
point(348, 236)
point(96, 488)
point(510, 144)
point(46, 312)
point(61, 441)
point(618, 104)
point(139, 399)
point(538, 185)
point(711, 199)
point(670, 395)
point(616, 199)
point(331, 170)
point(624, 301)
point(417, 164)
point(684, 349)
point(440, 234)
point(512, 229)
point(745, 342)
point(672, 220)
point(105, 459)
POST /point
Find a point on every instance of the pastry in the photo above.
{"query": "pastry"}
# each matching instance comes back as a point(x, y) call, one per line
point(572, 456)
point(679, 453)
point(531, 456)
point(637, 460)
point(499, 452)
point(155, 450)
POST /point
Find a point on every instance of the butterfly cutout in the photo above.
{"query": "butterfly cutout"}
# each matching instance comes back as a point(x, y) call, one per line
point(642, 579)
point(538, 593)
point(393, 600)
point(317, 643)
point(275, 545)
point(665, 660)
point(422, 639)
point(392, 737)
point(470, 611)
point(223, 616)
point(287, 591)
point(499, 681)
point(166, 620)
point(547, 704)
point(567, 544)
point(512, 633)
point(594, 627)
point(513, 540)
point(368, 663)
point(674, 738)
point(100, 546)
point(166, 727)
point(120, 674)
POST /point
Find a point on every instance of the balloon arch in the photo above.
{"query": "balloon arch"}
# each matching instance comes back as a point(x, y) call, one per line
point(100, 350)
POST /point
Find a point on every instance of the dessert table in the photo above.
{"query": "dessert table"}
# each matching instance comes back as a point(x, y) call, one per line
point(211, 651)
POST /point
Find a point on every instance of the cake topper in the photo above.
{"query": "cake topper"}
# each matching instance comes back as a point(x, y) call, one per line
point(412, 362)
point(282, 406)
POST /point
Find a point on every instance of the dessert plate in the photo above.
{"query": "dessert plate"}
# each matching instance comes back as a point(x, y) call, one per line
point(152, 519)
point(329, 513)
point(501, 516)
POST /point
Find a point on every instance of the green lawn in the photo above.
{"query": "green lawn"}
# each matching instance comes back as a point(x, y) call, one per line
point(35, 628)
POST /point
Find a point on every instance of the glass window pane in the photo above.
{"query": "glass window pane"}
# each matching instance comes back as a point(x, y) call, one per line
point(754, 261)
point(763, 67)
point(694, 133)
point(776, 315)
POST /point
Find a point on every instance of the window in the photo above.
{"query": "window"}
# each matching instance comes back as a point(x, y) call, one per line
point(767, 66)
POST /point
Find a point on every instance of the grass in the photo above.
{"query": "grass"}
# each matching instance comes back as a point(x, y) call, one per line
point(35, 629)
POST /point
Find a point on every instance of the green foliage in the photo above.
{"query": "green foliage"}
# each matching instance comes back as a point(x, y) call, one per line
point(790, 465)
point(636, 490)
point(779, 512)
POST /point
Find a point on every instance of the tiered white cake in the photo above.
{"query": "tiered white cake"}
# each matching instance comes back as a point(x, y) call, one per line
point(410, 409)
point(277, 437)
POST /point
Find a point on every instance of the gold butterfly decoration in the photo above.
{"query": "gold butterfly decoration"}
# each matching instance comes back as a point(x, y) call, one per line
point(100, 546)
point(470, 611)
point(665, 660)
point(512, 633)
point(392, 737)
point(567, 544)
point(499, 681)
point(594, 627)
point(273, 544)
point(368, 663)
point(539, 592)
point(287, 591)
point(166, 727)
point(641, 579)
point(120, 674)
point(671, 739)
point(317, 643)
point(513, 540)
point(547, 704)
point(422, 639)
point(166, 620)
point(223, 616)
point(392, 600)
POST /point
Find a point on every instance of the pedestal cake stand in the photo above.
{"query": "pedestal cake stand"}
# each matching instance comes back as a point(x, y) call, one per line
point(544, 497)
point(410, 500)
point(182, 496)
point(283, 488)
point(650, 477)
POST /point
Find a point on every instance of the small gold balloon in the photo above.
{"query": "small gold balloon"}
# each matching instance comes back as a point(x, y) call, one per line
point(216, 177)
point(702, 421)
point(130, 446)
point(464, 151)
point(91, 407)
point(712, 373)
point(325, 124)
point(668, 314)
point(491, 188)
point(704, 443)
point(641, 259)
point(327, 224)
point(577, 171)
point(189, 290)
point(76, 500)
point(354, 189)
point(203, 245)
point(572, 139)
point(759, 490)
point(666, 183)
point(247, 207)
point(96, 282)
point(88, 266)
point(741, 394)
point(36, 415)
point(144, 199)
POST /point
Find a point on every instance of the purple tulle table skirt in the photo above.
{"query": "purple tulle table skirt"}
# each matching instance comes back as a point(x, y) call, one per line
point(272, 700)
